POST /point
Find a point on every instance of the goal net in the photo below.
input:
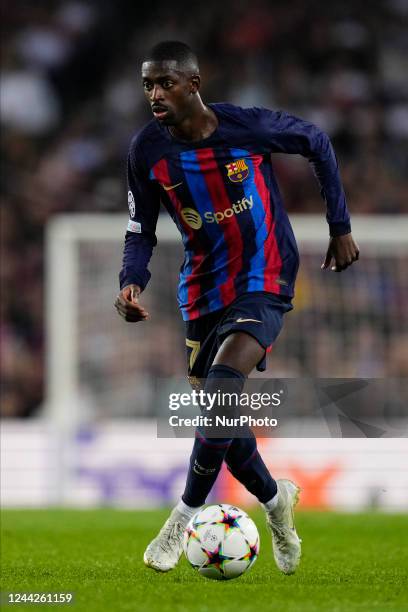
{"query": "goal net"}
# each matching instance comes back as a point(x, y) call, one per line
point(353, 324)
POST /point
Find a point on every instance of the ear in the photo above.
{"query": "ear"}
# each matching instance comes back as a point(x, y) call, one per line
point(195, 82)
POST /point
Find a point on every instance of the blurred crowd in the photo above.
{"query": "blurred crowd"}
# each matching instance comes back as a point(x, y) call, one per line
point(71, 99)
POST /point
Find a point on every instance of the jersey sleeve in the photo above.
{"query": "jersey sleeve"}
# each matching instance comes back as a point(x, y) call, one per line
point(284, 133)
point(140, 238)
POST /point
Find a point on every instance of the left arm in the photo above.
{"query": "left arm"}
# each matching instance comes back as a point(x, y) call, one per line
point(285, 133)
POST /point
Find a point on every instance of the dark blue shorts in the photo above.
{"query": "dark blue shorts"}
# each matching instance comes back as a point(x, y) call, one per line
point(259, 314)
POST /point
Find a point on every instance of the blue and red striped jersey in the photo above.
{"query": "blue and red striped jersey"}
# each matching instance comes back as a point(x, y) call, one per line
point(222, 194)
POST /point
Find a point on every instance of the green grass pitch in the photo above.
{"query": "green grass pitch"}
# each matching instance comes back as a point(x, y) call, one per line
point(350, 562)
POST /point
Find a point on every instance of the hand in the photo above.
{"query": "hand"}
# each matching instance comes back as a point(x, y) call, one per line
point(343, 250)
point(127, 304)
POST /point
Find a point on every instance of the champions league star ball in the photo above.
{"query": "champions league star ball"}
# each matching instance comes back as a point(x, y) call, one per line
point(221, 542)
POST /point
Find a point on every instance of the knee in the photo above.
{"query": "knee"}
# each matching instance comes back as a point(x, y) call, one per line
point(239, 351)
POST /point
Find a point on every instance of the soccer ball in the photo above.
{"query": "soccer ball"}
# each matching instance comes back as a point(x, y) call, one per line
point(221, 542)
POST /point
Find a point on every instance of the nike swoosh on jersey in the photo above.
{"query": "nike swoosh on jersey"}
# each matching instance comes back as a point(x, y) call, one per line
point(240, 320)
point(170, 187)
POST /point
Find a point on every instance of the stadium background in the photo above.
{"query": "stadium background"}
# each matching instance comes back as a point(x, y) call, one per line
point(70, 101)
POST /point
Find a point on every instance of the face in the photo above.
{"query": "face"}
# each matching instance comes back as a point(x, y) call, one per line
point(170, 92)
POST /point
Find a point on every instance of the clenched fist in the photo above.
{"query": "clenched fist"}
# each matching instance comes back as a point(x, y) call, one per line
point(343, 250)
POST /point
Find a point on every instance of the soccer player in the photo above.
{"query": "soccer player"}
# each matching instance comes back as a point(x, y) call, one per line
point(210, 165)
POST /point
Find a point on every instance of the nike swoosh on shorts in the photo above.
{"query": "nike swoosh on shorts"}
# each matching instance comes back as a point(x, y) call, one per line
point(240, 320)
point(170, 187)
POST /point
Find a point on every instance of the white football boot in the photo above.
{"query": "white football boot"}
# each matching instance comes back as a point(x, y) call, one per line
point(163, 553)
point(285, 541)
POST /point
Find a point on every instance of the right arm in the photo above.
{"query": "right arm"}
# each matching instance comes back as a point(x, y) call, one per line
point(140, 239)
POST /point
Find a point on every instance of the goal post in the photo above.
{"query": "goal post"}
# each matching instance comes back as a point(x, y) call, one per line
point(96, 361)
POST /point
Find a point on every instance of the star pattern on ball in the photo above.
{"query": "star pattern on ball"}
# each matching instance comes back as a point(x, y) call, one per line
point(191, 533)
point(216, 559)
point(252, 554)
point(229, 521)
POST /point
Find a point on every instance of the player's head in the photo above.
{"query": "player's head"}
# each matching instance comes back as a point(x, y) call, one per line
point(171, 81)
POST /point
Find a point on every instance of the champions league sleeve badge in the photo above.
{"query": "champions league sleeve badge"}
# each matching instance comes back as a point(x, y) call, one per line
point(131, 204)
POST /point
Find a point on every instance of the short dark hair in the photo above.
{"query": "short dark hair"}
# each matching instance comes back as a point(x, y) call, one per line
point(175, 50)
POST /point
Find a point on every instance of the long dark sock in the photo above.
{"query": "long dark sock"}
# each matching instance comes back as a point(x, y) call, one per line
point(208, 453)
point(246, 464)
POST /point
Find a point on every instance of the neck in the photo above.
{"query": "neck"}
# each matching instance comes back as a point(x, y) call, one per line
point(199, 124)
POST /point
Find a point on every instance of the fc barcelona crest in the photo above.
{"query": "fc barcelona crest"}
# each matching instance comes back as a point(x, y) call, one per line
point(237, 170)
